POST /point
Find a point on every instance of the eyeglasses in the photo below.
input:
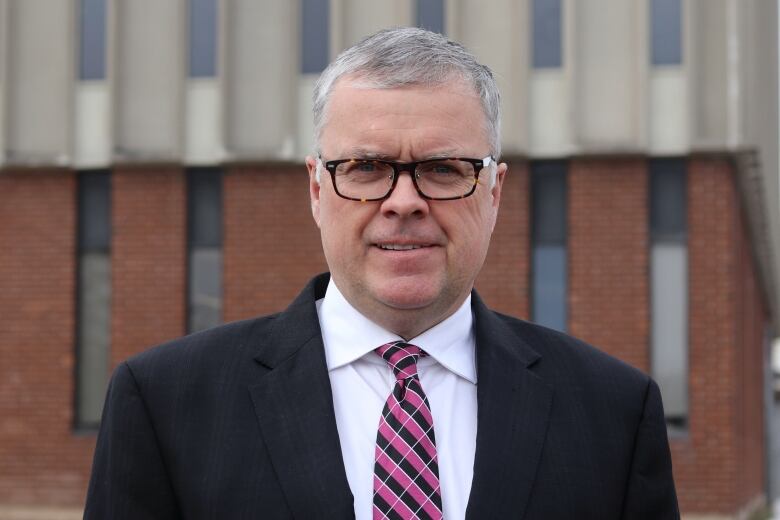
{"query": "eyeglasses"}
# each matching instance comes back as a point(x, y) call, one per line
point(366, 180)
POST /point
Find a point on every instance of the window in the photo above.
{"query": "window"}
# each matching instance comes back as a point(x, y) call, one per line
point(94, 296)
point(315, 21)
point(203, 38)
point(92, 44)
point(548, 244)
point(547, 42)
point(669, 286)
point(204, 241)
point(430, 15)
point(666, 32)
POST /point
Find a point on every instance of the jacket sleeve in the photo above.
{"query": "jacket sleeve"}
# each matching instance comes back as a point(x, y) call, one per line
point(129, 478)
point(650, 492)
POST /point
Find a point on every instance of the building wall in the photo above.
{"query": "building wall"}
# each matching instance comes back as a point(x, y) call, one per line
point(605, 108)
point(719, 464)
point(148, 258)
point(608, 258)
point(509, 247)
point(42, 459)
point(271, 248)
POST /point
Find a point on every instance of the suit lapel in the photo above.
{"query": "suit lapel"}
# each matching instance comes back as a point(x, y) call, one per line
point(513, 406)
point(294, 408)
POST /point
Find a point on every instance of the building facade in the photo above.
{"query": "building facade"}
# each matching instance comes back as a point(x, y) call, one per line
point(152, 184)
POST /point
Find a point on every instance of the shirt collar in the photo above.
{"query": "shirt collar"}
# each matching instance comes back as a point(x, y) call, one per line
point(348, 336)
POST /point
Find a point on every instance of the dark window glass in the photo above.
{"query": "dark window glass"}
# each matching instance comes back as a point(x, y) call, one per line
point(548, 242)
point(205, 203)
point(205, 248)
point(668, 208)
point(203, 38)
point(547, 41)
point(315, 22)
point(430, 15)
point(669, 287)
point(666, 32)
point(92, 59)
point(94, 296)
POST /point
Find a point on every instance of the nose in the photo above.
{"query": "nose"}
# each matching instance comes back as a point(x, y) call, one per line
point(405, 201)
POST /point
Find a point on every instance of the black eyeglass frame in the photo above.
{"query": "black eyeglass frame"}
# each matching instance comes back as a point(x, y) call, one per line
point(411, 168)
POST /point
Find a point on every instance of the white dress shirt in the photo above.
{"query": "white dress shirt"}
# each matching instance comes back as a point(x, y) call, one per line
point(361, 382)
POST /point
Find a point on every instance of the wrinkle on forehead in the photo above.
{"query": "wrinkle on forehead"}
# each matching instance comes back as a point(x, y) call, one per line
point(408, 123)
point(457, 86)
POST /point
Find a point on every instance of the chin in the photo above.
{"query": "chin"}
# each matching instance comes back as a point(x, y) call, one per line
point(407, 292)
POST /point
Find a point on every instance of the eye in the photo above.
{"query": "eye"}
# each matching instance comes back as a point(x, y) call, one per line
point(442, 169)
point(364, 166)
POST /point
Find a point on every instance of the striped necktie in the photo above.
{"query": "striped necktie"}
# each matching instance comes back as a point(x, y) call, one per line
point(406, 471)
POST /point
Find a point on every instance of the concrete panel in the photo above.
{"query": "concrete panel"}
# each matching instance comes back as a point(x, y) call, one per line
point(669, 111)
point(363, 17)
point(3, 51)
point(260, 84)
point(39, 81)
point(550, 114)
point(709, 73)
point(203, 128)
point(504, 48)
point(150, 67)
point(761, 116)
point(610, 69)
point(93, 125)
point(305, 121)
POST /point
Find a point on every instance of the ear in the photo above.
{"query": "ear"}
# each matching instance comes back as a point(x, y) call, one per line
point(495, 193)
point(501, 170)
point(314, 188)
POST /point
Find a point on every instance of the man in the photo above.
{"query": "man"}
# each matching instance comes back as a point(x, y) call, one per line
point(388, 389)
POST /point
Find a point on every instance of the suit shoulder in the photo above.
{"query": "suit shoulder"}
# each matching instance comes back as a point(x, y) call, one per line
point(231, 340)
point(573, 357)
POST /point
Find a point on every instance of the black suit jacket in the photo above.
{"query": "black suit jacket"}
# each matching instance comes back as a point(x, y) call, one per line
point(238, 422)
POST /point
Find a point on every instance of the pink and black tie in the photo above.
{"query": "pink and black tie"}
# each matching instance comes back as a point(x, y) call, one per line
point(406, 471)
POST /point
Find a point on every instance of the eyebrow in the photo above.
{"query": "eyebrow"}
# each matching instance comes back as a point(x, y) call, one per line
point(364, 153)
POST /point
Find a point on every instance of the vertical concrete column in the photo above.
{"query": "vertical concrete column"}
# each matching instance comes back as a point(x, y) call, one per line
point(363, 17)
point(3, 80)
point(148, 90)
point(39, 80)
point(502, 45)
point(710, 73)
point(260, 79)
point(610, 71)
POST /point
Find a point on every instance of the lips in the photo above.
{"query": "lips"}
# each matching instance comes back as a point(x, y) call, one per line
point(401, 247)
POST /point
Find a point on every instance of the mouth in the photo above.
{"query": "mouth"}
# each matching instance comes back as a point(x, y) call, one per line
point(401, 247)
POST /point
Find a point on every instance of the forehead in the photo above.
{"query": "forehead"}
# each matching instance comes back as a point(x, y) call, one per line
point(406, 120)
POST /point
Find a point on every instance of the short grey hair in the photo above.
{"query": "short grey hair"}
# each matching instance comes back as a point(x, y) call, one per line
point(405, 56)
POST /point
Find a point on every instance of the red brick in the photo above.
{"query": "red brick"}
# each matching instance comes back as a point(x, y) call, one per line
point(41, 460)
point(608, 256)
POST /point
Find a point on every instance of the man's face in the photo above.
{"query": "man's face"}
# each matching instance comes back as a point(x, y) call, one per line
point(407, 290)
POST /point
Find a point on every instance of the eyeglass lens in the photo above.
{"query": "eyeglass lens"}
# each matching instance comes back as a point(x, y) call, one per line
point(435, 179)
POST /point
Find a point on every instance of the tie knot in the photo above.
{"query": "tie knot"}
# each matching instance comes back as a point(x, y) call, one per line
point(402, 358)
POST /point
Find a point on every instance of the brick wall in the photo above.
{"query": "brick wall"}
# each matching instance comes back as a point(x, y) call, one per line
point(271, 244)
point(148, 258)
point(503, 282)
point(608, 256)
point(719, 464)
point(41, 460)
point(751, 319)
point(271, 248)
